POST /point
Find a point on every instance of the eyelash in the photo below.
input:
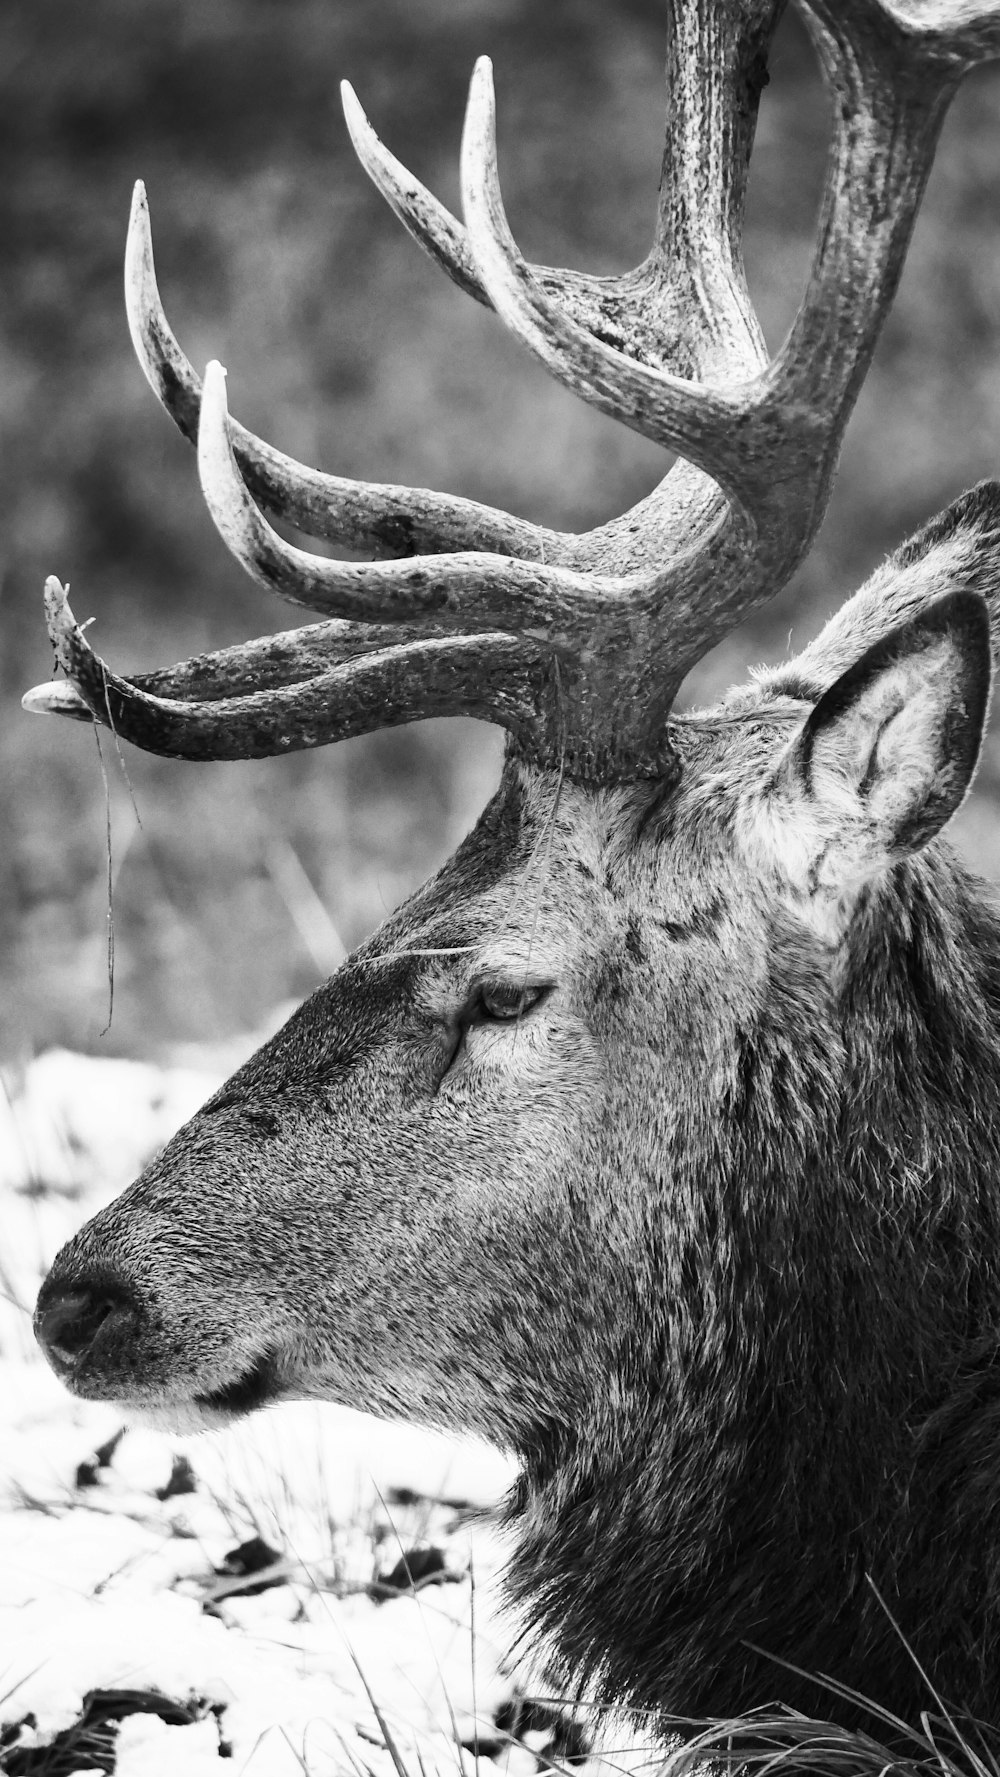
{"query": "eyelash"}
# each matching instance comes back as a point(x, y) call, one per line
point(510, 1002)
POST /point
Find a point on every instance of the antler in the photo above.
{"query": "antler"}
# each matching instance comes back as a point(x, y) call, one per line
point(576, 643)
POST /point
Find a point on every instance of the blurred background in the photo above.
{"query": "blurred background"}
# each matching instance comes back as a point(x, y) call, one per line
point(345, 348)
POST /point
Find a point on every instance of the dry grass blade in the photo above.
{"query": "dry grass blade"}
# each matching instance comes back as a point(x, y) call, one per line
point(775, 1739)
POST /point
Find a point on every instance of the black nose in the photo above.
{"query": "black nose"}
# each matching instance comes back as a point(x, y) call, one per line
point(68, 1321)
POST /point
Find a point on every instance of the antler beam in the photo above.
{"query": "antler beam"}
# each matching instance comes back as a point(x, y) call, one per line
point(596, 630)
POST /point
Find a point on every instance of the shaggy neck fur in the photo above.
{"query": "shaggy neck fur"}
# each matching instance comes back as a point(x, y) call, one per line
point(821, 1335)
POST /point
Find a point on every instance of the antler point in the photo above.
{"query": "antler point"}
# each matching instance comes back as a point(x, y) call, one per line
point(58, 697)
point(214, 386)
point(363, 137)
point(138, 237)
point(482, 96)
point(56, 598)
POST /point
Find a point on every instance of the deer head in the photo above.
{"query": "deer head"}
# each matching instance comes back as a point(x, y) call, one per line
point(652, 1138)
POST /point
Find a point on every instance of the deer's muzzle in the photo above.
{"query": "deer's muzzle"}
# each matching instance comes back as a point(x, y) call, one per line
point(75, 1325)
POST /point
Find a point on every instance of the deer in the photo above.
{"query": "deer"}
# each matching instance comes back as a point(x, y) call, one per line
point(656, 1139)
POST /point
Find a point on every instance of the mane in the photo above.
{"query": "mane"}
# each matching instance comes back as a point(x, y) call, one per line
point(841, 1346)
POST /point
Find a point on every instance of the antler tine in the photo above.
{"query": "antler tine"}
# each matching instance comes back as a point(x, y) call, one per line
point(470, 592)
point(441, 236)
point(716, 68)
point(424, 217)
point(697, 254)
point(57, 698)
point(884, 134)
point(892, 73)
point(497, 677)
point(285, 658)
point(700, 422)
point(570, 322)
point(373, 517)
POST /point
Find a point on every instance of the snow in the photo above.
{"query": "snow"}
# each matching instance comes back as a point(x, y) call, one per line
point(106, 1586)
point(74, 1121)
point(147, 1747)
point(103, 1587)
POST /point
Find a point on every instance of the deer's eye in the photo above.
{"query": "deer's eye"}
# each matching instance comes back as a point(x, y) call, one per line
point(503, 1002)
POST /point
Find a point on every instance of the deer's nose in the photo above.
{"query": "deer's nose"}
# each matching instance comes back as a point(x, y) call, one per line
point(67, 1322)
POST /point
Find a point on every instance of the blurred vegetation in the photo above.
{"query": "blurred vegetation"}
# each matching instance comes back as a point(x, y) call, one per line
point(347, 349)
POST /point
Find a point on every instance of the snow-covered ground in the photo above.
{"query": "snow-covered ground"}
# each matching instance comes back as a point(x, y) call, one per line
point(138, 1627)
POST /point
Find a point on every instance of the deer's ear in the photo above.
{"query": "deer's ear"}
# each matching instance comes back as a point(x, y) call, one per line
point(960, 548)
point(887, 754)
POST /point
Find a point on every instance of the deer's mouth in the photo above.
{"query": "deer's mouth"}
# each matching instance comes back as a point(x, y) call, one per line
point(256, 1387)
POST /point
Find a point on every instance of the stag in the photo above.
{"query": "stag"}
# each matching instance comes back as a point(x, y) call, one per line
point(655, 1138)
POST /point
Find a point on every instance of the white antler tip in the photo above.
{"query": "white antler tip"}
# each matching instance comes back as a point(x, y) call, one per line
point(64, 631)
point(56, 598)
point(479, 133)
point(481, 94)
point(58, 698)
point(213, 394)
point(142, 302)
point(138, 245)
point(359, 129)
point(226, 496)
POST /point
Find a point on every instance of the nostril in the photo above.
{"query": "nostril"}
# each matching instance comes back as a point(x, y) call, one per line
point(67, 1326)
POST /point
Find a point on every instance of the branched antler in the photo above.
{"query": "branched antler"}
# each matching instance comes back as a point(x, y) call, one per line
point(576, 643)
